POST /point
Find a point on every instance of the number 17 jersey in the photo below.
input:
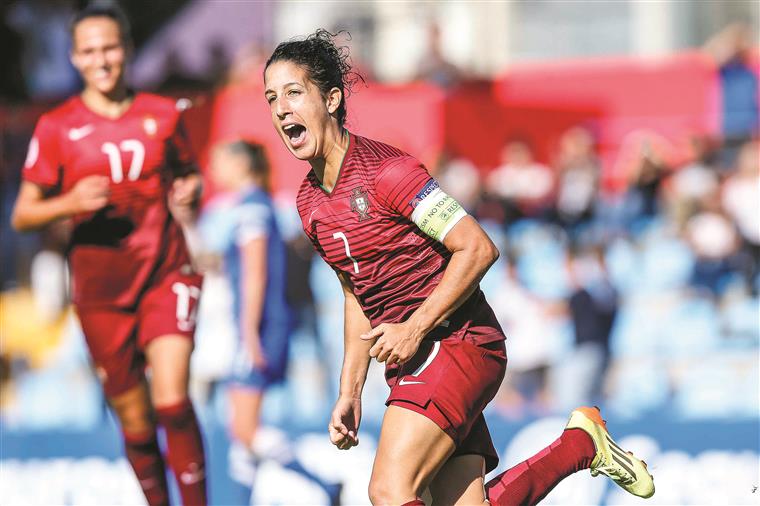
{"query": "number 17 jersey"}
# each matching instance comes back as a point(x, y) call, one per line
point(116, 252)
point(364, 230)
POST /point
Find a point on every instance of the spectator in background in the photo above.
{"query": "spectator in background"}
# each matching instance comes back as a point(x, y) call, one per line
point(714, 240)
point(741, 201)
point(732, 48)
point(434, 66)
point(578, 175)
point(254, 259)
point(530, 323)
point(695, 181)
point(523, 185)
point(643, 158)
point(593, 306)
point(460, 178)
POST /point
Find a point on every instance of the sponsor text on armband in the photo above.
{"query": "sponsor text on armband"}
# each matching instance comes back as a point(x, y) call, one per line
point(435, 212)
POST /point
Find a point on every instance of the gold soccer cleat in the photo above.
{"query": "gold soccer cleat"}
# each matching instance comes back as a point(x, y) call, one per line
point(626, 470)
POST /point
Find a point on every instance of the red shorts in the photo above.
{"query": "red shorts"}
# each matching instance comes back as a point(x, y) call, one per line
point(117, 337)
point(450, 381)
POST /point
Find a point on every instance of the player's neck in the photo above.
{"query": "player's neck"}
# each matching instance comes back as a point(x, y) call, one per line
point(327, 168)
point(112, 105)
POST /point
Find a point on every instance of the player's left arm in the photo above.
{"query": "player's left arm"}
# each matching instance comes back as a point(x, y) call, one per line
point(187, 184)
point(473, 253)
point(413, 193)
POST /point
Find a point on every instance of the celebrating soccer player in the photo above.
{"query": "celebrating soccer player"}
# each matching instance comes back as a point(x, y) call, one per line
point(114, 162)
point(410, 260)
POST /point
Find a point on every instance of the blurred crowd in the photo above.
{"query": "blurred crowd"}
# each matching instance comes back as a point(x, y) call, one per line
point(641, 298)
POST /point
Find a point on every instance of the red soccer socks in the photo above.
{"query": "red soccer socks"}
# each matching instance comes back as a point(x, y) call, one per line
point(185, 451)
point(531, 480)
point(144, 454)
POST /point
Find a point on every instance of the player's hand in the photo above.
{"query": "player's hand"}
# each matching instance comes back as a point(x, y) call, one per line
point(184, 196)
point(185, 191)
point(396, 343)
point(256, 352)
point(344, 423)
point(89, 194)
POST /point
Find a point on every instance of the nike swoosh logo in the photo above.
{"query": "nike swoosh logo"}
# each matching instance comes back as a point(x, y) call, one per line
point(194, 475)
point(404, 382)
point(76, 134)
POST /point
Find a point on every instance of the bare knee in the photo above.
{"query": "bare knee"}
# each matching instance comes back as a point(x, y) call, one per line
point(389, 490)
point(168, 397)
point(135, 414)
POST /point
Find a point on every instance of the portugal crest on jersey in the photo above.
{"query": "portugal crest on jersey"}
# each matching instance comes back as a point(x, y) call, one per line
point(360, 203)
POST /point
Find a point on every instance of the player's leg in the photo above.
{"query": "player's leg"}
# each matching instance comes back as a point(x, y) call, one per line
point(460, 481)
point(531, 480)
point(168, 357)
point(244, 405)
point(585, 443)
point(411, 450)
point(166, 324)
point(133, 409)
point(112, 343)
point(253, 442)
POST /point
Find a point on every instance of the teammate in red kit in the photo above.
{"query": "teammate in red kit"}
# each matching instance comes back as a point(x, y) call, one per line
point(410, 259)
point(114, 162)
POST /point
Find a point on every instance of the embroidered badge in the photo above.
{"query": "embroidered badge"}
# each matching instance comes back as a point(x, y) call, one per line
point(360, 203)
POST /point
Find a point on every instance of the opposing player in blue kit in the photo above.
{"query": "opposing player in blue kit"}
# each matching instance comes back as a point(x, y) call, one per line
point(253, 255)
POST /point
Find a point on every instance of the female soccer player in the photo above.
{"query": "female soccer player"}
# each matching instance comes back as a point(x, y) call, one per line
point(410, 259)
point(254, 261)
point(113, 162)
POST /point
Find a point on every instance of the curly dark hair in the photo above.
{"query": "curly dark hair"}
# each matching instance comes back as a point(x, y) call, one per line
point(327, 65)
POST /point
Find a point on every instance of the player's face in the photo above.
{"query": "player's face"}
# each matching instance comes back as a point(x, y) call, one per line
point(99, 54)
point(227, 169)
point(301, 114)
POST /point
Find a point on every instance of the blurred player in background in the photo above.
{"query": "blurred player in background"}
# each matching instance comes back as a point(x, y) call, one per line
point(253, 256)
point(114, 162)
point(410, 260)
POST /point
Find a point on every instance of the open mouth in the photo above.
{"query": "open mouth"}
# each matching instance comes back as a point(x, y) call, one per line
point(296, 134)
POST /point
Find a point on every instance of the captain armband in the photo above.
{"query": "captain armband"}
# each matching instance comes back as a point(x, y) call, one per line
point(436, 212)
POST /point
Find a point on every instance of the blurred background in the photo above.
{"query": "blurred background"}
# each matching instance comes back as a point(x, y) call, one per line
point(609, 148)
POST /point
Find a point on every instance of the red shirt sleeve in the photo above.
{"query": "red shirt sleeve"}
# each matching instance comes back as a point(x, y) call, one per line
point(400, 185)
point(43, 159)
point(180, 156)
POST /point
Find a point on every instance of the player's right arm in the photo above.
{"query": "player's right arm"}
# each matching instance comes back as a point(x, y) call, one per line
point(37, 204)
point(346, 415)
point(33, 210)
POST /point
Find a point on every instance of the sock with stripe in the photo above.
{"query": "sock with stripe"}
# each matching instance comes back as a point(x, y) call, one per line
point(185, 451)
point(530, 481)
point(144, 455)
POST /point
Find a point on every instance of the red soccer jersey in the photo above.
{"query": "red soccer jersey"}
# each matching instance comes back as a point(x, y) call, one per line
point(363, 229)
point(115, 252)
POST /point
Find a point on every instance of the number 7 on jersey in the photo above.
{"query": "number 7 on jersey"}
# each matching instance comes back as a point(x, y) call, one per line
point(342, 236)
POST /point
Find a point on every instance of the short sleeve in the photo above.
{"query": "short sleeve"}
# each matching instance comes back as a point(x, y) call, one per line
point(43, 159)
point(253, 223)
point(180, 156)
point(400, 185)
